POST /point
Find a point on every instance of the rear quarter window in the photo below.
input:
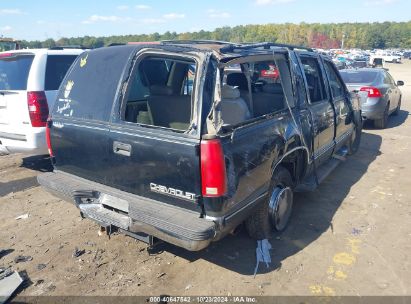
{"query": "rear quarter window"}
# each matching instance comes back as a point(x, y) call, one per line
point(14, 71)
point(89, 89)
point(56, 68)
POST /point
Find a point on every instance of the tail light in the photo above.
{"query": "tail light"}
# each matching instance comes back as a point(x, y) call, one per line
point(213, 173)
point(38, 108)
point(372, 92)
point(48, 125)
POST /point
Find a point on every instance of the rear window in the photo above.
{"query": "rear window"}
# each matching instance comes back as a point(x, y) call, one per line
point(159, 93)
point(359, 76)
point(14, 71)
point(89, 89)
point(56, 68)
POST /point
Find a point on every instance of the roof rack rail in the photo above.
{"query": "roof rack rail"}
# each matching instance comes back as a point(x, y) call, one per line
point(62, 47)
point(197, 42)
point(264, 45)
point(116, 44)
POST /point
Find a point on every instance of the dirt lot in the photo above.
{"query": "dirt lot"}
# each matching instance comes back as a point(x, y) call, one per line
point(350, 237)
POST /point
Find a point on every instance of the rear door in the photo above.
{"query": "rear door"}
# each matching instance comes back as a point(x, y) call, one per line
point(339, 97)
point(395, 91)
point(14, 117)
point(320, 106)
point(387, 89)
point(154, 137)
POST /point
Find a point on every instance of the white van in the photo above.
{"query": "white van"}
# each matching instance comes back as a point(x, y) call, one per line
point(29, 80)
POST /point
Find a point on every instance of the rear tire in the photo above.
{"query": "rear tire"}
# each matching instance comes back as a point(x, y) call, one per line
point(398, 109)
point(382, 123)
point(260, 224)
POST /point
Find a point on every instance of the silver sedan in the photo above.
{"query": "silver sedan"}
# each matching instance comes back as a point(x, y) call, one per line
point(380, 95)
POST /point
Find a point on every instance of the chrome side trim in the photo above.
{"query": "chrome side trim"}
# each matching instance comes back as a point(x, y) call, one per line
point(344, 136)
point(320, 152)
point(323, 149)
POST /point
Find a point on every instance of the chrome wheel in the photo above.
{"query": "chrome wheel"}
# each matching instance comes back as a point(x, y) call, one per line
point(280, 206)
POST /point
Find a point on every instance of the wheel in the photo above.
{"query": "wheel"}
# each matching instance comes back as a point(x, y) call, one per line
point(382, 122)
point(355, 140)
point(397, 109)
point(275, 213)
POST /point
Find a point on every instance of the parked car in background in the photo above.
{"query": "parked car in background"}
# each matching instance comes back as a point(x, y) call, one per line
point(340, 64)
point(407, 55)
point(376, 61)
point(139, 151)
point(380, 95)
point(389, 57)
point(29, 80)
point(359, 63)
point(269, 72)
point(9, 44)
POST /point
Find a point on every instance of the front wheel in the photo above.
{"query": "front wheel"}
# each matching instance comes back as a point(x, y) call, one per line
point(275, 213)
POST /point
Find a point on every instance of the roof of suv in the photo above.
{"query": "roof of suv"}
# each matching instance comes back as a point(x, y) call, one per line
point(225, 51)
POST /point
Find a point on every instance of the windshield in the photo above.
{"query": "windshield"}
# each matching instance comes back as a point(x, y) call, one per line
point(359, 76)
point(14, 71)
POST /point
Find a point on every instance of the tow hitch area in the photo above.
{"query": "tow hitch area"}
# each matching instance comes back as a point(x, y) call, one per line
point(104, 216)
point(97, 206)
point(150, 240)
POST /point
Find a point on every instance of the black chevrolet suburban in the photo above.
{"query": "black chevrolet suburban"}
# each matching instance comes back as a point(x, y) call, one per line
point(184, 140)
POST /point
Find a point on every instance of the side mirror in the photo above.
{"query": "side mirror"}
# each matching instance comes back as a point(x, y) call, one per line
point(400, 83)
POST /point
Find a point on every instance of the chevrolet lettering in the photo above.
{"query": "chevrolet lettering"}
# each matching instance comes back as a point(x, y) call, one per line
point(171, 191)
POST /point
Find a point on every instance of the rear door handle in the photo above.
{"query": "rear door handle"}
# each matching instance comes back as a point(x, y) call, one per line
point(121, 148)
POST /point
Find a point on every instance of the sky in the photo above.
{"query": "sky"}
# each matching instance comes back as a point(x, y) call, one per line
point(43, 19)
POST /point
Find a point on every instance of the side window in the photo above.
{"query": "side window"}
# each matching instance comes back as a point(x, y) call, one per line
point(391, 79)
point(159, 93)
point(387, 79)
point(337, 87)
point(314, 78)
point(266, 96)
point(56, 68)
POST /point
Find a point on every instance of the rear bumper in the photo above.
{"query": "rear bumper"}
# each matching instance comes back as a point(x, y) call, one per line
point(373, 108)
point(33, 142)
point(130, 212)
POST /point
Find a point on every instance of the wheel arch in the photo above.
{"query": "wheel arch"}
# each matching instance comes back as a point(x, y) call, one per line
point(296, 161)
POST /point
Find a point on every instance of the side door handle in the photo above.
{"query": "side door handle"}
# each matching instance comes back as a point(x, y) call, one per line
point(121, 148)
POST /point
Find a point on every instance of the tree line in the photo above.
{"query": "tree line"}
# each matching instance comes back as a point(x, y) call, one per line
point(317, 35)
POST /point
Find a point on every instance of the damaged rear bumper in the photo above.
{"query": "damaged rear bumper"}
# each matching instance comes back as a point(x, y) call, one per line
point(108, 206)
